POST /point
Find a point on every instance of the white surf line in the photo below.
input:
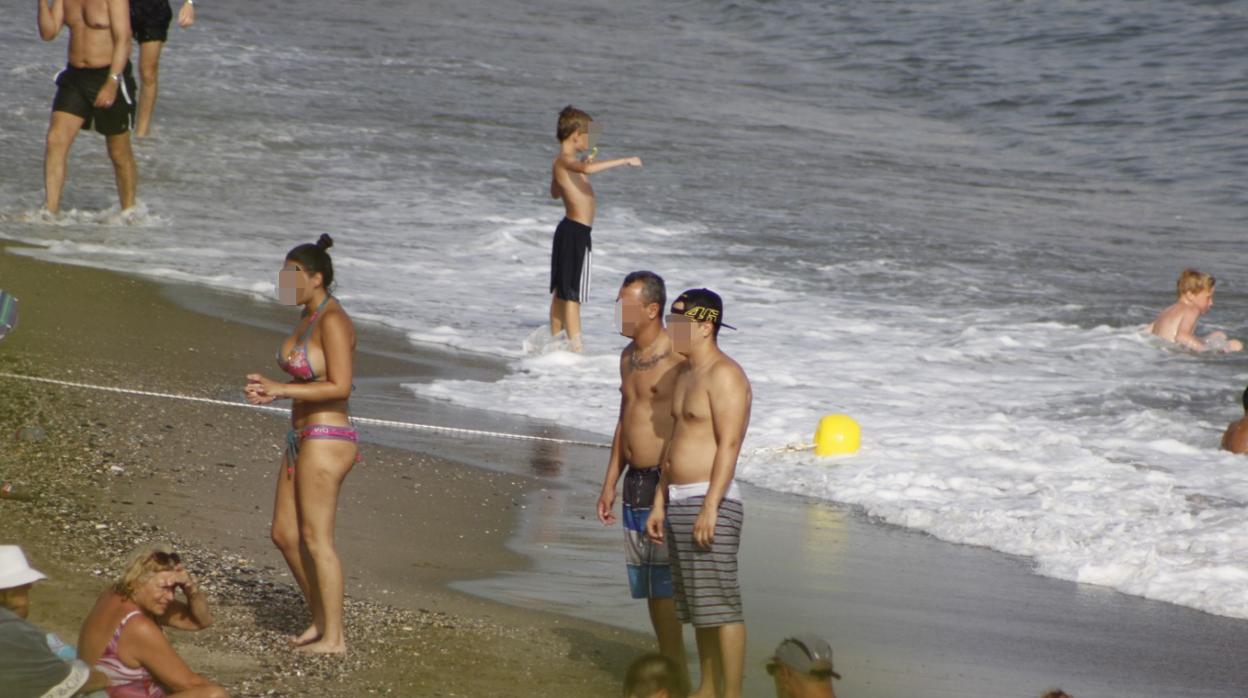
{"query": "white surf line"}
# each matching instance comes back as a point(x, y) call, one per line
point(371, 421)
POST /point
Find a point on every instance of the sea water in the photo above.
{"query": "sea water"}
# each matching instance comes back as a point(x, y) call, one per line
point(947, 219)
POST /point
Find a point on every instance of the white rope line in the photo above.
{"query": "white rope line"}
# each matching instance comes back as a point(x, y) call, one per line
point(371, 421)
point(357, 420)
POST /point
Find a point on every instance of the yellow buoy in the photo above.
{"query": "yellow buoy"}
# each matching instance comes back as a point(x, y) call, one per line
point(838, 434)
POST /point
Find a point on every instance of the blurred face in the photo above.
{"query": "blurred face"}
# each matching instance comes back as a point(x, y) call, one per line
point(631, 311)
point(686, 332)
point(591, 138)
point(789, 684)
point(17, 600)
point(155, 593)
point(295, 284)
point(581, 141)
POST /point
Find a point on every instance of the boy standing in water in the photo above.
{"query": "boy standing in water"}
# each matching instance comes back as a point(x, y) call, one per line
point(572, 249)
point(1178, 322)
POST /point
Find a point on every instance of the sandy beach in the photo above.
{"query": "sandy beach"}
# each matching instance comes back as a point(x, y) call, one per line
point(475, 565)
point(102, 472)
point(952, 221)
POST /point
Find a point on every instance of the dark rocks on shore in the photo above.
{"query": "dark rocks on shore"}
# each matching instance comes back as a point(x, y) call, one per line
point(31, 434)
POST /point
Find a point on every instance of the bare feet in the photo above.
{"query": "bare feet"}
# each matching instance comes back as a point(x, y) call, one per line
point(307, 636)
point(323, 647)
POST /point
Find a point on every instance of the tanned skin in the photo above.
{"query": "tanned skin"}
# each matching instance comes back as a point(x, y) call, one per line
point(1177, 323)
point(99, 36)
point(648, 369)
point(711, 412)
point(569, 180)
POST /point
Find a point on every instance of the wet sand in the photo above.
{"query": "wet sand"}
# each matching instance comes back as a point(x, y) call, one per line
point(513, 522)
point(907, 614)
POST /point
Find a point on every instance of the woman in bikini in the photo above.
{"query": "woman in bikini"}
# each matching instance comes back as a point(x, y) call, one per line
point(321, 444)
point(121, 637)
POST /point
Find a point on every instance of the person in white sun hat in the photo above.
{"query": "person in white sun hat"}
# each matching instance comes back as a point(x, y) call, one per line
point(28, 667)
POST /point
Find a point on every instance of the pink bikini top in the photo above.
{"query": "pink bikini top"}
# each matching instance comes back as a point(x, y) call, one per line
point(297, 364)
point(125, 681)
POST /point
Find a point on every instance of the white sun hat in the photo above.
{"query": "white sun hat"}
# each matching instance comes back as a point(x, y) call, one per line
point(14, 570)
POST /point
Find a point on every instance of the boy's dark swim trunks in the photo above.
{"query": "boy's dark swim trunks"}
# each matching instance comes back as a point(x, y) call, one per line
point(76, 92)
point(149, 20)
point(569, 261)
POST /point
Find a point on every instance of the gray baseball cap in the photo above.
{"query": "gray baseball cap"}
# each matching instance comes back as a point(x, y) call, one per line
point(805, 654)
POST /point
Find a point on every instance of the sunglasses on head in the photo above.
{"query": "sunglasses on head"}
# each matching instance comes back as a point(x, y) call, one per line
point(166, 559)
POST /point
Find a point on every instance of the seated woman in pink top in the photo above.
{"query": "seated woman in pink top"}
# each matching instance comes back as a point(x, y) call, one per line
point(122, 635)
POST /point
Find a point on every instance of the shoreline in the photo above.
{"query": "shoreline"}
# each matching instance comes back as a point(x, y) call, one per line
point(905, 613)
point(140, 468)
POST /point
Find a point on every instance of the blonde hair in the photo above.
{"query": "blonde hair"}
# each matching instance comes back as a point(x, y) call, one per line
point(1192, 281)
point(143, 562)
point(571, 122)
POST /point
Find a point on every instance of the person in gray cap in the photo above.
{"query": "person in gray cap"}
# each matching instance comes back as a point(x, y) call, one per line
point(28, 667)
point(802, 668)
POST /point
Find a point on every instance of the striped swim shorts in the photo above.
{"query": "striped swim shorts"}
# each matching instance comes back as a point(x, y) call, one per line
point(705, 580)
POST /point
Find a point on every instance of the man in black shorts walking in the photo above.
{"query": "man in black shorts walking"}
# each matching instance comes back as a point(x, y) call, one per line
point(149, 20)
point(95, 90)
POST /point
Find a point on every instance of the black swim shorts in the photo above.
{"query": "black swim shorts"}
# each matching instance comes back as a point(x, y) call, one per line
point(569, 261)
point(149, 20)
point(76, 92)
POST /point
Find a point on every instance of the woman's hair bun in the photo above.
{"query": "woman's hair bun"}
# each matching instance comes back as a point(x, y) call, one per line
point(324, 241)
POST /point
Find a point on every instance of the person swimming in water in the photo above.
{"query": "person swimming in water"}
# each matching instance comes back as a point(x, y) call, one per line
point(321, 444)
point(1178, 322)
point(1235, 438)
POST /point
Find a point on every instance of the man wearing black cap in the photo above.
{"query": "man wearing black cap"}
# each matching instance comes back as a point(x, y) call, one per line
point(802, 668)
point(697, 507)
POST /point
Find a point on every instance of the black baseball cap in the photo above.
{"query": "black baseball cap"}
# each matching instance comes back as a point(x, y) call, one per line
point(702, 305)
